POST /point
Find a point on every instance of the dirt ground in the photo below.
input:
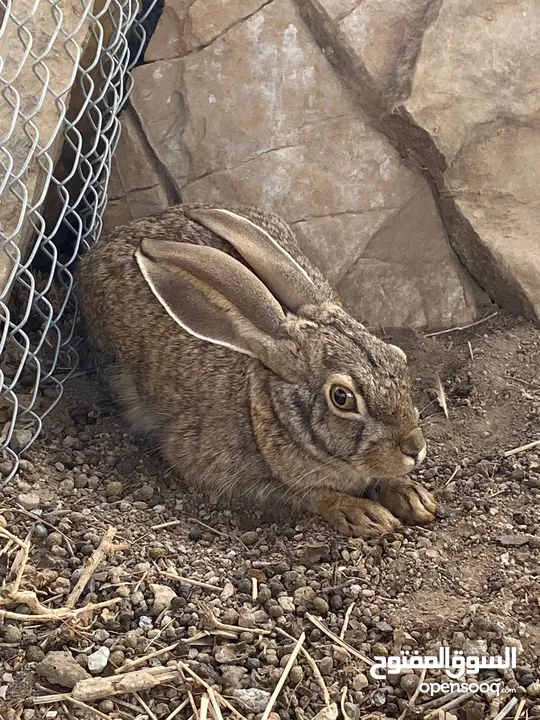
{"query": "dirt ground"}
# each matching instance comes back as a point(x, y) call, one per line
point(247, 588)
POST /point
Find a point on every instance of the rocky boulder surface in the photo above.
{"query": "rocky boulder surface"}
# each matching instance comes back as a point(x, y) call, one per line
point(400, 138)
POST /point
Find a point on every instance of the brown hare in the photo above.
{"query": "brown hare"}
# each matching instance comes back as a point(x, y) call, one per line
point(233, 350)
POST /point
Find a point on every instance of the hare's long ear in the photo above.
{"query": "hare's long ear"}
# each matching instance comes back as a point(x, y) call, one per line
point(211, 295)
point(280, 272)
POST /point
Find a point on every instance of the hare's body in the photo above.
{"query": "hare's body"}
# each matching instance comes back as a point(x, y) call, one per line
point(237, 390)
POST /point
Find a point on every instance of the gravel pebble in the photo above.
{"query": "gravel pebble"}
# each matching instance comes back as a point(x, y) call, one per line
point(253, 699)
point(59, 667)
point(97, 661)
point(29, 501)
point(12, 634)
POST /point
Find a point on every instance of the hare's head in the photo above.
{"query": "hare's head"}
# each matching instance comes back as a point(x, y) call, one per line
point(342, 394)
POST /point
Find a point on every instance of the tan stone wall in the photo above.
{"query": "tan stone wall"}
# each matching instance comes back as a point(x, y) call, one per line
point(398, 137)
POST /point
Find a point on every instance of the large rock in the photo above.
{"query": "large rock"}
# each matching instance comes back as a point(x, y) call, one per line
point(250, 111)
point(136, 188)
point(475, 91)
point(29, 110)
point(385, 34)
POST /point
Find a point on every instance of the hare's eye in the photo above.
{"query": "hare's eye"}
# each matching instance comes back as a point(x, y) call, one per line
point(343, 398)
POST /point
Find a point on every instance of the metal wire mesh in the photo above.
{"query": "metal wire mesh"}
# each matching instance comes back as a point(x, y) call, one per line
point(64, 77)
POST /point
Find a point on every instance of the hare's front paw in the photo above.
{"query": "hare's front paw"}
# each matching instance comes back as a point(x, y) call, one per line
point(356, 517)
point(406, 499)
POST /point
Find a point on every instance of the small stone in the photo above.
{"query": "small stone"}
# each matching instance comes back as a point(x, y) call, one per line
point(146, 493)
point(157, 551)
point(233, 675)
point(304, 596)
point(474, 710)
point(59, 667)
point(131, 638)
point(246, 620)
point(253, 699)
point(326, 665)
point(40, 532)
point(275, 610)
point(145, 622)
point(336, 602)
point(29, 501)
point(12, 634)
point(341, 654)
point(379, 650)
point(513, 642)
point(34, 654)
point(163, 596)
point(533, 690)
point(228, 591)
point(106, 706)
point(360, 682)
point(114, 489)
point(351, 711)
point(286, 603)
point(409, 683)
point(249, 538)
point(97, 661)
point(296, 675)
point(195, 534)
point(117, 658)
point(320, 605)
point(225, 653)
point(475, 647)
point(21, 438)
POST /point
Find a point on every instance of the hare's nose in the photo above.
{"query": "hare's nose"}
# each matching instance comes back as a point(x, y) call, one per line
point(414, 446)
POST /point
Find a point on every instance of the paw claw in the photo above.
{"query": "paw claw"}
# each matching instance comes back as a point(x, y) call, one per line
point(357, 517)
point(409, 501)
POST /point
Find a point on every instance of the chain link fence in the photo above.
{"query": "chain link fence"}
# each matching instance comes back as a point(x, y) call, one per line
point(64, 78)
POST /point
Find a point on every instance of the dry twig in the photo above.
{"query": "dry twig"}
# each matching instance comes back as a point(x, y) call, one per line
point(283, 678)
point(441, 397)
point(520, 708)
point(144, 706)
point(218, 625)
point(130, 665)
point(41, 613)
point(450, 705)
point(203, 712)
point(338, 640)
point(346, 621)
point(105, 548)
point(344, 712)
point(522, 448)
point(463, 327)
point(215, 705)
point(506, 709)
point(178, 710)
point(313, 665)
point(415, 694)
point(189, 581)
point(222, 701)
point(104, 687)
